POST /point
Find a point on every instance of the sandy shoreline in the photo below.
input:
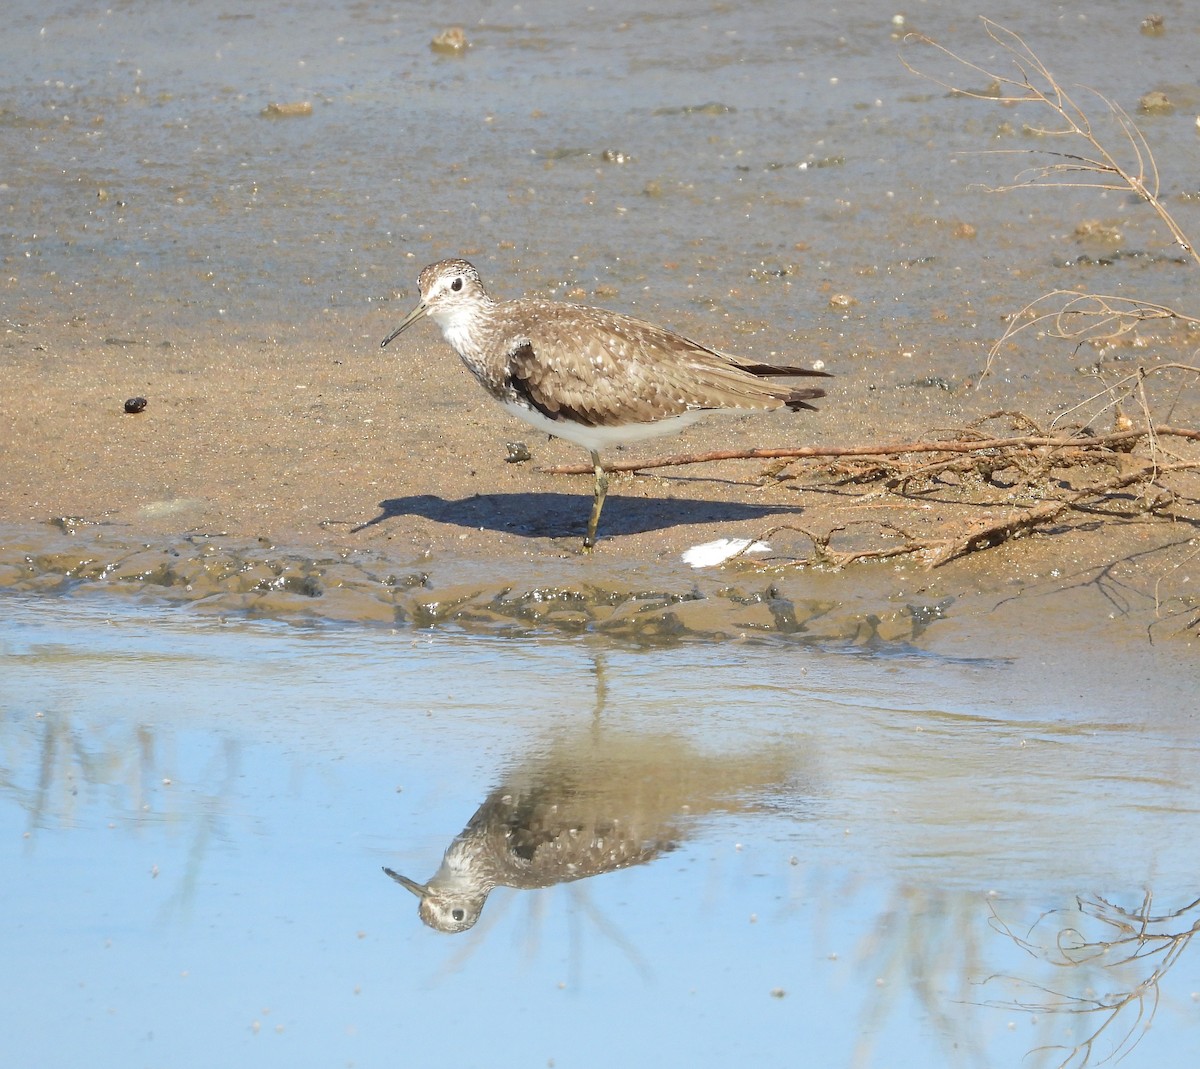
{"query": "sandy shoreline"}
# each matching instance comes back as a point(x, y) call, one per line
point(306, 439)
point(258, 462)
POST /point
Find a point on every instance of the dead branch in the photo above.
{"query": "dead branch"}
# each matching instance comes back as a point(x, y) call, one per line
point(824, 553)
point(983, 534)
point(1132, 167)
point(891, 449)
point(1081, 317)
point(988, 534)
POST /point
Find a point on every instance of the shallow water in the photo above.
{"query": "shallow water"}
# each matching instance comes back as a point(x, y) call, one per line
point(759, 160)
point(841, 851)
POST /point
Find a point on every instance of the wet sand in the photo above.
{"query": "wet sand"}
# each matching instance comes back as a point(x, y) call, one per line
point(308, 475)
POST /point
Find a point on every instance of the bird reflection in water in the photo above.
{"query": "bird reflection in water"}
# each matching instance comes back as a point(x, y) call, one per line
point(585, 807)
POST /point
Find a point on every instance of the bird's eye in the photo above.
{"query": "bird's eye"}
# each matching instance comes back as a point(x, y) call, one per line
point(457, 914)
point(456, 285)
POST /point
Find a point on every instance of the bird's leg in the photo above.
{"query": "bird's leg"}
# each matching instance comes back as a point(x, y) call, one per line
point(597, 501)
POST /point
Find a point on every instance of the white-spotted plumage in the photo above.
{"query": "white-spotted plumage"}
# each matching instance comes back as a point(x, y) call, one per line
point(594, 377)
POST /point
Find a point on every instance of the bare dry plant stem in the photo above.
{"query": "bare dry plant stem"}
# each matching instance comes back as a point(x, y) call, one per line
point(984, 533)
point(1094, 167)
point(1127, 167)
point(1072, 316)
point(885, 449)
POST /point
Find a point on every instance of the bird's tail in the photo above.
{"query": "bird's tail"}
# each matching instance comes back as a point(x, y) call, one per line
point(799, 399)
point(780, 371)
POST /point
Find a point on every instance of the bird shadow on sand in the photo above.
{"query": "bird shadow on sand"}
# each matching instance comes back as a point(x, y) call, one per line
point(550, 515)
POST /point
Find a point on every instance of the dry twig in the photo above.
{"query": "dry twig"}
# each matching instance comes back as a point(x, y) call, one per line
point(883, 449)
point(1035, 457)
point(982, 533)
point(1096, 166)
point(1129, 166)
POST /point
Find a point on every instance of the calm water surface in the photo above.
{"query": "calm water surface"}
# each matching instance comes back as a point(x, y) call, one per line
point(847, 859)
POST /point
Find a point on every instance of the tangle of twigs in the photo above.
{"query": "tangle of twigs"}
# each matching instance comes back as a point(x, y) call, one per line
point(1096, 166)
point(1140, 940)
point(1128, 167)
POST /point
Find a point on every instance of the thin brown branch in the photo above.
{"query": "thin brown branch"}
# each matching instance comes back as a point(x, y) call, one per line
point(1079, 316)
point(981, 535)
point(824, 553)
point(986, 535)
point(958, 445)
point(1035, 84)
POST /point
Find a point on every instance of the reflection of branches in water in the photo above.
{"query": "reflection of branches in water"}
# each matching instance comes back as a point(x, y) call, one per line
point(51, 769)
point(584, 910)
point(55, 768)
point(210, 802)
point(1142, 944)
point(928, 944)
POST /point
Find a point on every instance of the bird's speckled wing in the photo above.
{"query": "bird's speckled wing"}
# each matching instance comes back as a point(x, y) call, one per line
point(550, 834)
point(601, 368)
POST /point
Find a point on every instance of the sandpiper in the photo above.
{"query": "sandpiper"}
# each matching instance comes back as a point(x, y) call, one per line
point(591, 376)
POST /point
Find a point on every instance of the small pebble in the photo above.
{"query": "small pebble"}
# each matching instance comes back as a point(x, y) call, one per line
point(135, 405)
point(287, 111)
point(1155, 101)
point(452, 40)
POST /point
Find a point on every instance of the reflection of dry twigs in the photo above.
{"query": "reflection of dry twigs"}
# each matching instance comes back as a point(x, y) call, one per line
point(1136, 947)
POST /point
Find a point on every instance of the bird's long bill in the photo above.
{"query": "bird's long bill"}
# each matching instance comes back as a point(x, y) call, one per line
point(418, 889)
point(409, 320)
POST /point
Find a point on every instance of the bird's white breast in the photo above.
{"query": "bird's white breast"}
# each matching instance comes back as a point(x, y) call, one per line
point(459, 327)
